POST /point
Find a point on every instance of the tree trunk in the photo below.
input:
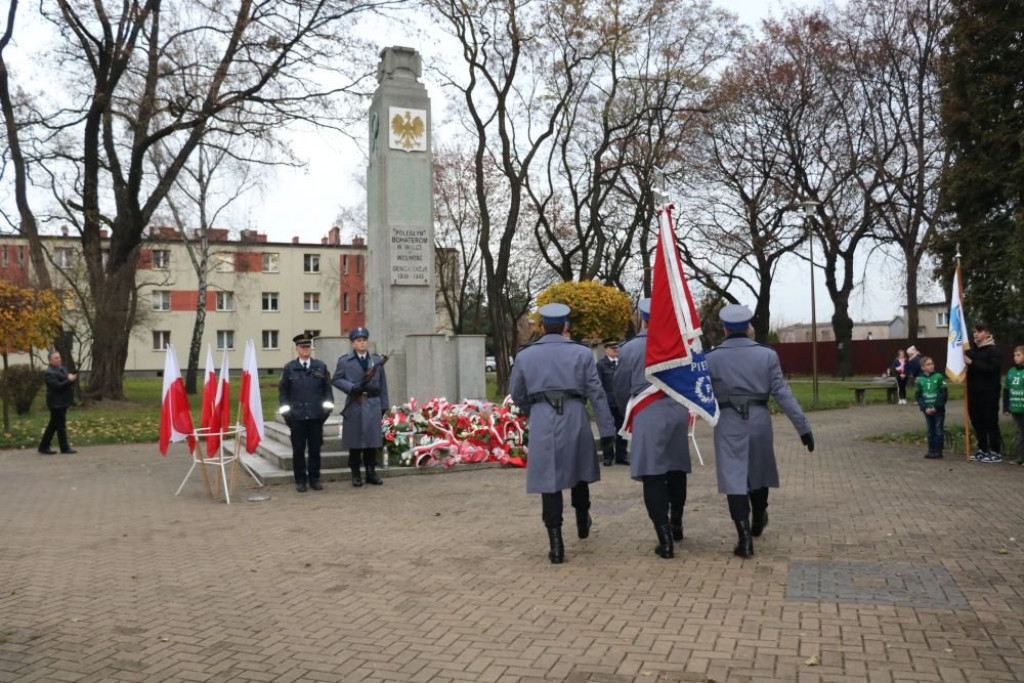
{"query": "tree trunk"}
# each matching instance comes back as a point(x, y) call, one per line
point(912, 312)
point(197, 339)
point(111, 332)
point(762, 311)
point(842, 325)
point(7, 417)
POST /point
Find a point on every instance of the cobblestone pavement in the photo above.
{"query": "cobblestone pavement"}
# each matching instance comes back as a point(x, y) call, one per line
point(877, 565)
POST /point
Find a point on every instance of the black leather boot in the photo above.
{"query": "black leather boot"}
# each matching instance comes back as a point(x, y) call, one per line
point(356, 479)
point(371, 475)
point(557, 553)
point(583, 522)
point(760, 521)
point(745, 544)
point(677, 526)
point(664, 548)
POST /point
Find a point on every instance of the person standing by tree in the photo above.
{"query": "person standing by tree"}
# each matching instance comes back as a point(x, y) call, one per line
point(306, 401)
point(60, 395)
point(551, 381)
point(898, 369)
point(1013, 398)
point(983, 388)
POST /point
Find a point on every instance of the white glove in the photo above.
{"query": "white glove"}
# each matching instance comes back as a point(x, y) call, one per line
point(283, 409)
point(328, 405)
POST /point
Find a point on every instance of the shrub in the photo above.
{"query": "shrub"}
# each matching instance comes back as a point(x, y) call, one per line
point(19, 385)
point(598, 311)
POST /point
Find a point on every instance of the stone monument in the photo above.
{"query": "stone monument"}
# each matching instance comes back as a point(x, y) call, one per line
point(401, 302)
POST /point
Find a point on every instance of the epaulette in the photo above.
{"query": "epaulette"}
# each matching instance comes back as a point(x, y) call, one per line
point(631, 339)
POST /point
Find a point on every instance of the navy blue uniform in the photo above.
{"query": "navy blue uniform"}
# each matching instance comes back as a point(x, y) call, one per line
point(606, 368)
point(305, 391)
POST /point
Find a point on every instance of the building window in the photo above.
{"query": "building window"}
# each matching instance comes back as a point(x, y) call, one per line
point(62, 257)
point(161, 338)
point(225, 301)
point(311, 301)
point(161, 300)
point(344, 264)
point(270, 301)
point(271, 262)
point(161, 259)
point(3, 256)
point(359, 302)
point(344, 302)
point(21, 255)
point(311, 263)
point(359, 265)
point(224, 262)
point(312, 333)
point(270, 339)
point(942, 319)
point(225, 340)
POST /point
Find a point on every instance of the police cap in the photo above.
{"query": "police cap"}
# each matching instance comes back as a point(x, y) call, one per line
point(554, 313)
point(610, 343)
point(735, 316)
point(359, 332)
point(304, 339)
point(644, 306)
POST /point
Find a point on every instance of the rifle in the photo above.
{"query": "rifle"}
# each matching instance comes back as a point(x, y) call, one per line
point(365, 382)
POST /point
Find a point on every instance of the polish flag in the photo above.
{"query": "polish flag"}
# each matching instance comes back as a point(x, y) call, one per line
point(175, 417)
point(252, 404)
point(220, 416)
point(209, 390)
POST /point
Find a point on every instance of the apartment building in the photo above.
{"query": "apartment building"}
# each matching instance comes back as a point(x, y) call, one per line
point(259, 290)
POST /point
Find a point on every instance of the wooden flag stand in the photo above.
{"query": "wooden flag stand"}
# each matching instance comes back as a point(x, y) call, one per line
point(220, 460)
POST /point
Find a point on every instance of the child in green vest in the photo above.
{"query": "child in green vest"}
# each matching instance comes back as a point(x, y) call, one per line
point(1013, 398)
point(931, 399)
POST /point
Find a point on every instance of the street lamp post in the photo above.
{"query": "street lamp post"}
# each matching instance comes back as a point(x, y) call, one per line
point(809, 205)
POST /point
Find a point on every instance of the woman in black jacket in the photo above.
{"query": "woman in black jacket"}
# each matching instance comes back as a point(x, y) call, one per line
point(984, 369)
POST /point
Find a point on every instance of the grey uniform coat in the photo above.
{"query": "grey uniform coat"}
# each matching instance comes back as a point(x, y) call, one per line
point(660, 443)
point(561, 447)
point(305, 391)
point(744, 454)
point(361, 419)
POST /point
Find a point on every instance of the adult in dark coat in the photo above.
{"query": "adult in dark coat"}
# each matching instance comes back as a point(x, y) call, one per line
point(306, 401)
point(913, 366)
point(659, 447)
point(360, 374)
point(745, 375)
point(606, 370)
point(551, 381)
point(984, 370)
point(60, 395)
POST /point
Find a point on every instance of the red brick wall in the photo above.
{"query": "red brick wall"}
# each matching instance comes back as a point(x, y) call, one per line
point(248, 262)
point(185, 300)
point(352, 283)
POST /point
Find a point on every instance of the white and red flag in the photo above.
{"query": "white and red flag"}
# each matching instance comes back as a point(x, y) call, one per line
point(956, 340)
point(175, 417)
point(252, 404)
point(674, 362)
point(209, 391)
point(220, 416)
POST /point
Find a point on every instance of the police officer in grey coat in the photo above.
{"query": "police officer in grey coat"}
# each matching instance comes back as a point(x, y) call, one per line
point(360, 374)
point(745, 375)
point(305, 399)
point(659, 448)
point(551, 381)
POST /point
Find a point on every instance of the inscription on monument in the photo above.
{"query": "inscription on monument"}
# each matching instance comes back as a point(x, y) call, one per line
point(410, 253)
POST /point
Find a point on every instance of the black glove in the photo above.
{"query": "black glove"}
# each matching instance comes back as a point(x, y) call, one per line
point(808, 440)
point(357, 391)
point(608, 447)
point(288, 420)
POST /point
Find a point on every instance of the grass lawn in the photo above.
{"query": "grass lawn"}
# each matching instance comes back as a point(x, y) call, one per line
point(137, 420)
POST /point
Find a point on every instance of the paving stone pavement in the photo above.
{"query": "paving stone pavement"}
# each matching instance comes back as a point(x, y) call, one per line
point(877, 565)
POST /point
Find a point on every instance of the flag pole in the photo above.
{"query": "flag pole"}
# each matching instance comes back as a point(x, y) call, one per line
point(967, 412)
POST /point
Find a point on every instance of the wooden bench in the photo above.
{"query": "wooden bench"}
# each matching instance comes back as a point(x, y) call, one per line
point(860, 393)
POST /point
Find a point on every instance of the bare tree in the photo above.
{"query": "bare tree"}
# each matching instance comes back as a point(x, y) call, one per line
point(124, 93)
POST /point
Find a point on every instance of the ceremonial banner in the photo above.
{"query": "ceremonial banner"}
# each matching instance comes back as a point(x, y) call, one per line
point(956, 342)
point(252, 404)
point(675, 361)
point(175, 417)
point(220, 417)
